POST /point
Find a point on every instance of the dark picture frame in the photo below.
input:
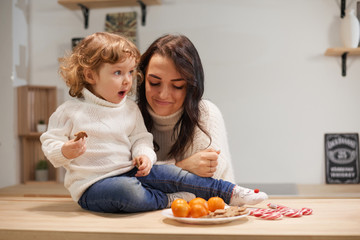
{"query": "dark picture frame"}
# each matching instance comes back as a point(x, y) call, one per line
point(75, 41)
point(342, 158)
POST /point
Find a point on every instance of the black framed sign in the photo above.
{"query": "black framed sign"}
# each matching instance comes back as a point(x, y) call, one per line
point(342, 157)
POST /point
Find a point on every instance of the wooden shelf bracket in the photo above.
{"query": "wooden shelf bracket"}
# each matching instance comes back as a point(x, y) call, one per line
point(143, 12)
point(343, 53)
point(86, 13)
point(342, 8)
point(86, 5)
point(343, 63)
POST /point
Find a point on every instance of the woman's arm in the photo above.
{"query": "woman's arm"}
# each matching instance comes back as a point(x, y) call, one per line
point(203, 163)
point(201, 156)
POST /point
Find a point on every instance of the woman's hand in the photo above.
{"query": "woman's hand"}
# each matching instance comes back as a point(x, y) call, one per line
point(73, 149)
point(143, 164)
point(202, 163)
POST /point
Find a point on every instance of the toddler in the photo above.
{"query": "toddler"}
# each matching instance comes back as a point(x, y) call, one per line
point(100, 170)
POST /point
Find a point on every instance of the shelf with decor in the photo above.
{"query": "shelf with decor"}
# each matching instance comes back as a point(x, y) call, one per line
point(339, 51)
point(349, 29)
point(74, 4)
point(35, 104)
point(86, 5)
point(343, 52)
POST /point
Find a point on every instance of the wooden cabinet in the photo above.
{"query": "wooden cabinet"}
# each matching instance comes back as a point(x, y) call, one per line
point(35, 103)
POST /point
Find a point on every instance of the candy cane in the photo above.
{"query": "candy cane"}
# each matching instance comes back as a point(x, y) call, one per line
point(277, 212)
point(267, 214)
point(272, 216)
point(276, 206)
point(259, 212)
point(292, 213)
point(280, 208)
point(284, 210)
point(306, 211)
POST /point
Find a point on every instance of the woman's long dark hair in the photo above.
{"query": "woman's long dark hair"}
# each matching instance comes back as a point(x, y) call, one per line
point(187, 62)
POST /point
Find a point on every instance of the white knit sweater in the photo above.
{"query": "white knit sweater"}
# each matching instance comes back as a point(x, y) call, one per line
point(212, 120)
point(116, 134)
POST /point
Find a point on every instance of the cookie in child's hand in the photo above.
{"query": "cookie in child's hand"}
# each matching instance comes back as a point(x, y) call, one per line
point(80, 135)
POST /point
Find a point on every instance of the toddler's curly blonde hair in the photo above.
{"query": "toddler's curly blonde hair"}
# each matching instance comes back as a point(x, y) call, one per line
point(91, 53)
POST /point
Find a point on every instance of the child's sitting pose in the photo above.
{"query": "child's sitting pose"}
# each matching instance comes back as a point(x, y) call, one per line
point(100, 170)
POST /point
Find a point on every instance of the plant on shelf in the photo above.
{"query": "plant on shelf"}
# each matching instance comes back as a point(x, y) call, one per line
point(42, 164)
point(41, 126)
point(41, 170)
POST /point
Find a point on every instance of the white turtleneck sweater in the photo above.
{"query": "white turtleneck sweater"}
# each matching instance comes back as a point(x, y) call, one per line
point(213, 122)
point(116, 134)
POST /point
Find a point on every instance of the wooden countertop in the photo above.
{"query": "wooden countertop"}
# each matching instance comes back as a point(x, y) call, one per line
point(36, 189)
point(53, 189)
point(60, 218)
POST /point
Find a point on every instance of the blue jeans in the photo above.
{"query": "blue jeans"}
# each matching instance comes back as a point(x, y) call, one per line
point(127, 193)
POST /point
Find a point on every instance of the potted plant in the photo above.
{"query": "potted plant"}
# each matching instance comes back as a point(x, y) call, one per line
point(41, 126)
point(41, 170)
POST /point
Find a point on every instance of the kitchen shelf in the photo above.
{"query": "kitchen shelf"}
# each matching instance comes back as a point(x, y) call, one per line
point(85, 5)
point(74, 4)
point(340, 51)
point(31, 135)
point(343, 52)
point(34, 103)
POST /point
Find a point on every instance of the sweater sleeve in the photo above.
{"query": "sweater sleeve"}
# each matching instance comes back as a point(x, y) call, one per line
point(141, 139)
point(213, 121)
point(52, 140)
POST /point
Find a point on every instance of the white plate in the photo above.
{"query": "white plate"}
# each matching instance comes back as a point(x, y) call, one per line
point(168, 213)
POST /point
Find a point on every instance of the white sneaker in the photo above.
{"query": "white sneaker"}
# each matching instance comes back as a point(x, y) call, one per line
point(187, 196)
point(243, 196)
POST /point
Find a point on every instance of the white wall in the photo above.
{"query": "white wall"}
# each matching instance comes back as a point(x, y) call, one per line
point(9, 164)
point(20, 41)
point(264, 65)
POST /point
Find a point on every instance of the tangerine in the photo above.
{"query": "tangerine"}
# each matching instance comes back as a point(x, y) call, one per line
point(198, 210)
point(216, 203)
point(199, 200)
point(180, 209)
point(179, 200)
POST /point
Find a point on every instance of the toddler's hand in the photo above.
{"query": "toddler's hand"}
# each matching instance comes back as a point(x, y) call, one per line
point(144, 165)
point(72, 149)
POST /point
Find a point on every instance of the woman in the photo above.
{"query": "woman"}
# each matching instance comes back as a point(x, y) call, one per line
point(100, 172)
point(188, 131)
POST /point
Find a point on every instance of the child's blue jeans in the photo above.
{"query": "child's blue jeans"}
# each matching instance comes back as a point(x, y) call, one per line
point(127, 193)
